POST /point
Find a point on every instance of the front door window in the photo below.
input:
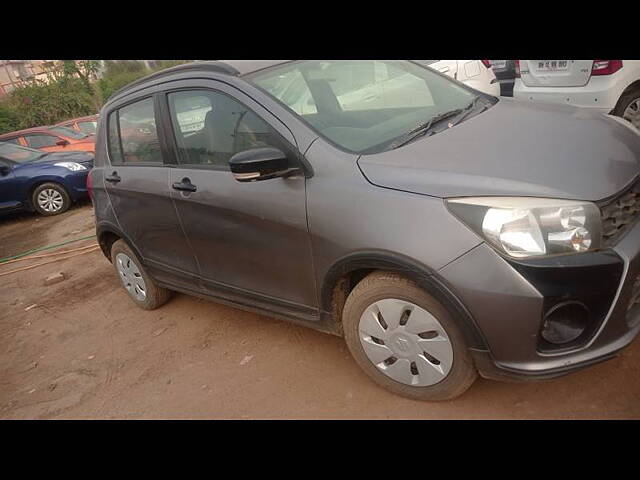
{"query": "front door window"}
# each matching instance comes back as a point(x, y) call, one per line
point(210, 127)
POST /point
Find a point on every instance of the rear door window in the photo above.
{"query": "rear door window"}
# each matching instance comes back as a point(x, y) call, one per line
point(41, 140)
point(133, 138)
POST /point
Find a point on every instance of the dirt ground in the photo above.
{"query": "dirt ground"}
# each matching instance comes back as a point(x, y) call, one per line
point(85, 351)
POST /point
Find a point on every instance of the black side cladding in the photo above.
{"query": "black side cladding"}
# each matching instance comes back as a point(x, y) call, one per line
point(591, 278)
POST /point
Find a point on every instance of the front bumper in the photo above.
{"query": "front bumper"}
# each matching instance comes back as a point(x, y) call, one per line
point(508, 301)
point(600, 94)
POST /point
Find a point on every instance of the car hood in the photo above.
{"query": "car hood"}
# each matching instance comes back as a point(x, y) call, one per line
point(516, 148)
point(78, 157)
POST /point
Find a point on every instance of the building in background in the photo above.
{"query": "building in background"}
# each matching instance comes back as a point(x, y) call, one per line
point(15, 72)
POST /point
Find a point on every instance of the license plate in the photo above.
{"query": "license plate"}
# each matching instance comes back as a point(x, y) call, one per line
point(498, 63)
point(552, 65)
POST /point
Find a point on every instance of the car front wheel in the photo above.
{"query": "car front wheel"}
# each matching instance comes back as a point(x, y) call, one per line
point(628, 107)
point(406, 340)
point(50, 199)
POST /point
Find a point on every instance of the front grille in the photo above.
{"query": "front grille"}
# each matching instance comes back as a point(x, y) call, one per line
point(620, 213)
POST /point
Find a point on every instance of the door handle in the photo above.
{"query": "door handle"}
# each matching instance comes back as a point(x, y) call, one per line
point(113, 178)
point(185, 185)
point(443, 69)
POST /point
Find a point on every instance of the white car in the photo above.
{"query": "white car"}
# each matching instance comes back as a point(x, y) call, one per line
point(474, 73)
point(386, 84)
point(607, 86)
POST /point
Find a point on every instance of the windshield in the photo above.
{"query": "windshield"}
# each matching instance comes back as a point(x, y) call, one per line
point(68, 132)
point(18, 153)
point(362, 106)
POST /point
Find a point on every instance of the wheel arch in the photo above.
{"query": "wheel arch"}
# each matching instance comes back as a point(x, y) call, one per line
point(635, 85)
point(37, 181)
point(348, 271)
point(108, 234)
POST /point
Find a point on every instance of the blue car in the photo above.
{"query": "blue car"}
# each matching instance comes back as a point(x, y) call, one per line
point(45, 182)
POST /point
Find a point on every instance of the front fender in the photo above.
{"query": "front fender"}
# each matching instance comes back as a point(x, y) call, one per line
point(422, 275)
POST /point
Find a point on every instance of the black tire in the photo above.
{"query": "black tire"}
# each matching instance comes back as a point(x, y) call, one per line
point(381, 285)
point(66, 200)
point(625, 100)
point(156, 296)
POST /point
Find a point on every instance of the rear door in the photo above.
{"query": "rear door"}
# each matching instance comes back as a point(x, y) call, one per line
point(555, 73)
point(250, 239)
point(137, 182)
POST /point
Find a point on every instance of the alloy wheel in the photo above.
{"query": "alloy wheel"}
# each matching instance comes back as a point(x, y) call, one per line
point(50, 200)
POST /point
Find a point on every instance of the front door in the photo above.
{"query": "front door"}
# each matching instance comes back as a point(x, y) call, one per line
point(249, 239)
point(9, 195)
point(137, 182)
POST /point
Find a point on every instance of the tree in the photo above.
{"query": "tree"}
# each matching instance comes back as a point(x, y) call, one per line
point(72, 89)
point(87, 71)
point(8, 118)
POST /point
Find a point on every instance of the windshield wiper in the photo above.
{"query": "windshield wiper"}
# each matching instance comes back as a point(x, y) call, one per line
point(424, 128)
point(468, 109)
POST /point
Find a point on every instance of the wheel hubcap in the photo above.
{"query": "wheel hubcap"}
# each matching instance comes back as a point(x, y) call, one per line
point(405, 342)
point(50, 200)
point(131, 277)
point(632, 113)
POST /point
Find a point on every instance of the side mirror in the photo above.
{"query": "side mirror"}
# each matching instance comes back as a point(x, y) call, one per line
point(62, 142)
point(260, 164)
point(4, 170)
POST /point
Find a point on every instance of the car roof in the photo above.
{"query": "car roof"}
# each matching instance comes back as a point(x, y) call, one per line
point(235, 68)
point(77, 119)
point(18, 133)
point(44, 129)
point(245, 67)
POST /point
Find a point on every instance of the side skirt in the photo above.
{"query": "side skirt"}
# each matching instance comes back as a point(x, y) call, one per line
point(293, 313)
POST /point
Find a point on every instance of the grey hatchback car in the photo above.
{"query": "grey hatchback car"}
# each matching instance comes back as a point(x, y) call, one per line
point(442, 231)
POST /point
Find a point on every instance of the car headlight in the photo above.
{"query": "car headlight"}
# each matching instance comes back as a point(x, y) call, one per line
point(73, 166)
point(526, 227)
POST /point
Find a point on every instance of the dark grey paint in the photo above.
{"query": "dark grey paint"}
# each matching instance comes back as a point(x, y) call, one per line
point(514, 148)
point(271, 246)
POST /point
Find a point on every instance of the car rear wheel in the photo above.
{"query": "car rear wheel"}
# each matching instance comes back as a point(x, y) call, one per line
point(138, 284)
point(628, 107)
point(50, 199)
point(406, 340)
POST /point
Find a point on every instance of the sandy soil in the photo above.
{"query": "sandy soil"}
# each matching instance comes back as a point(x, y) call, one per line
point(85, 351)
